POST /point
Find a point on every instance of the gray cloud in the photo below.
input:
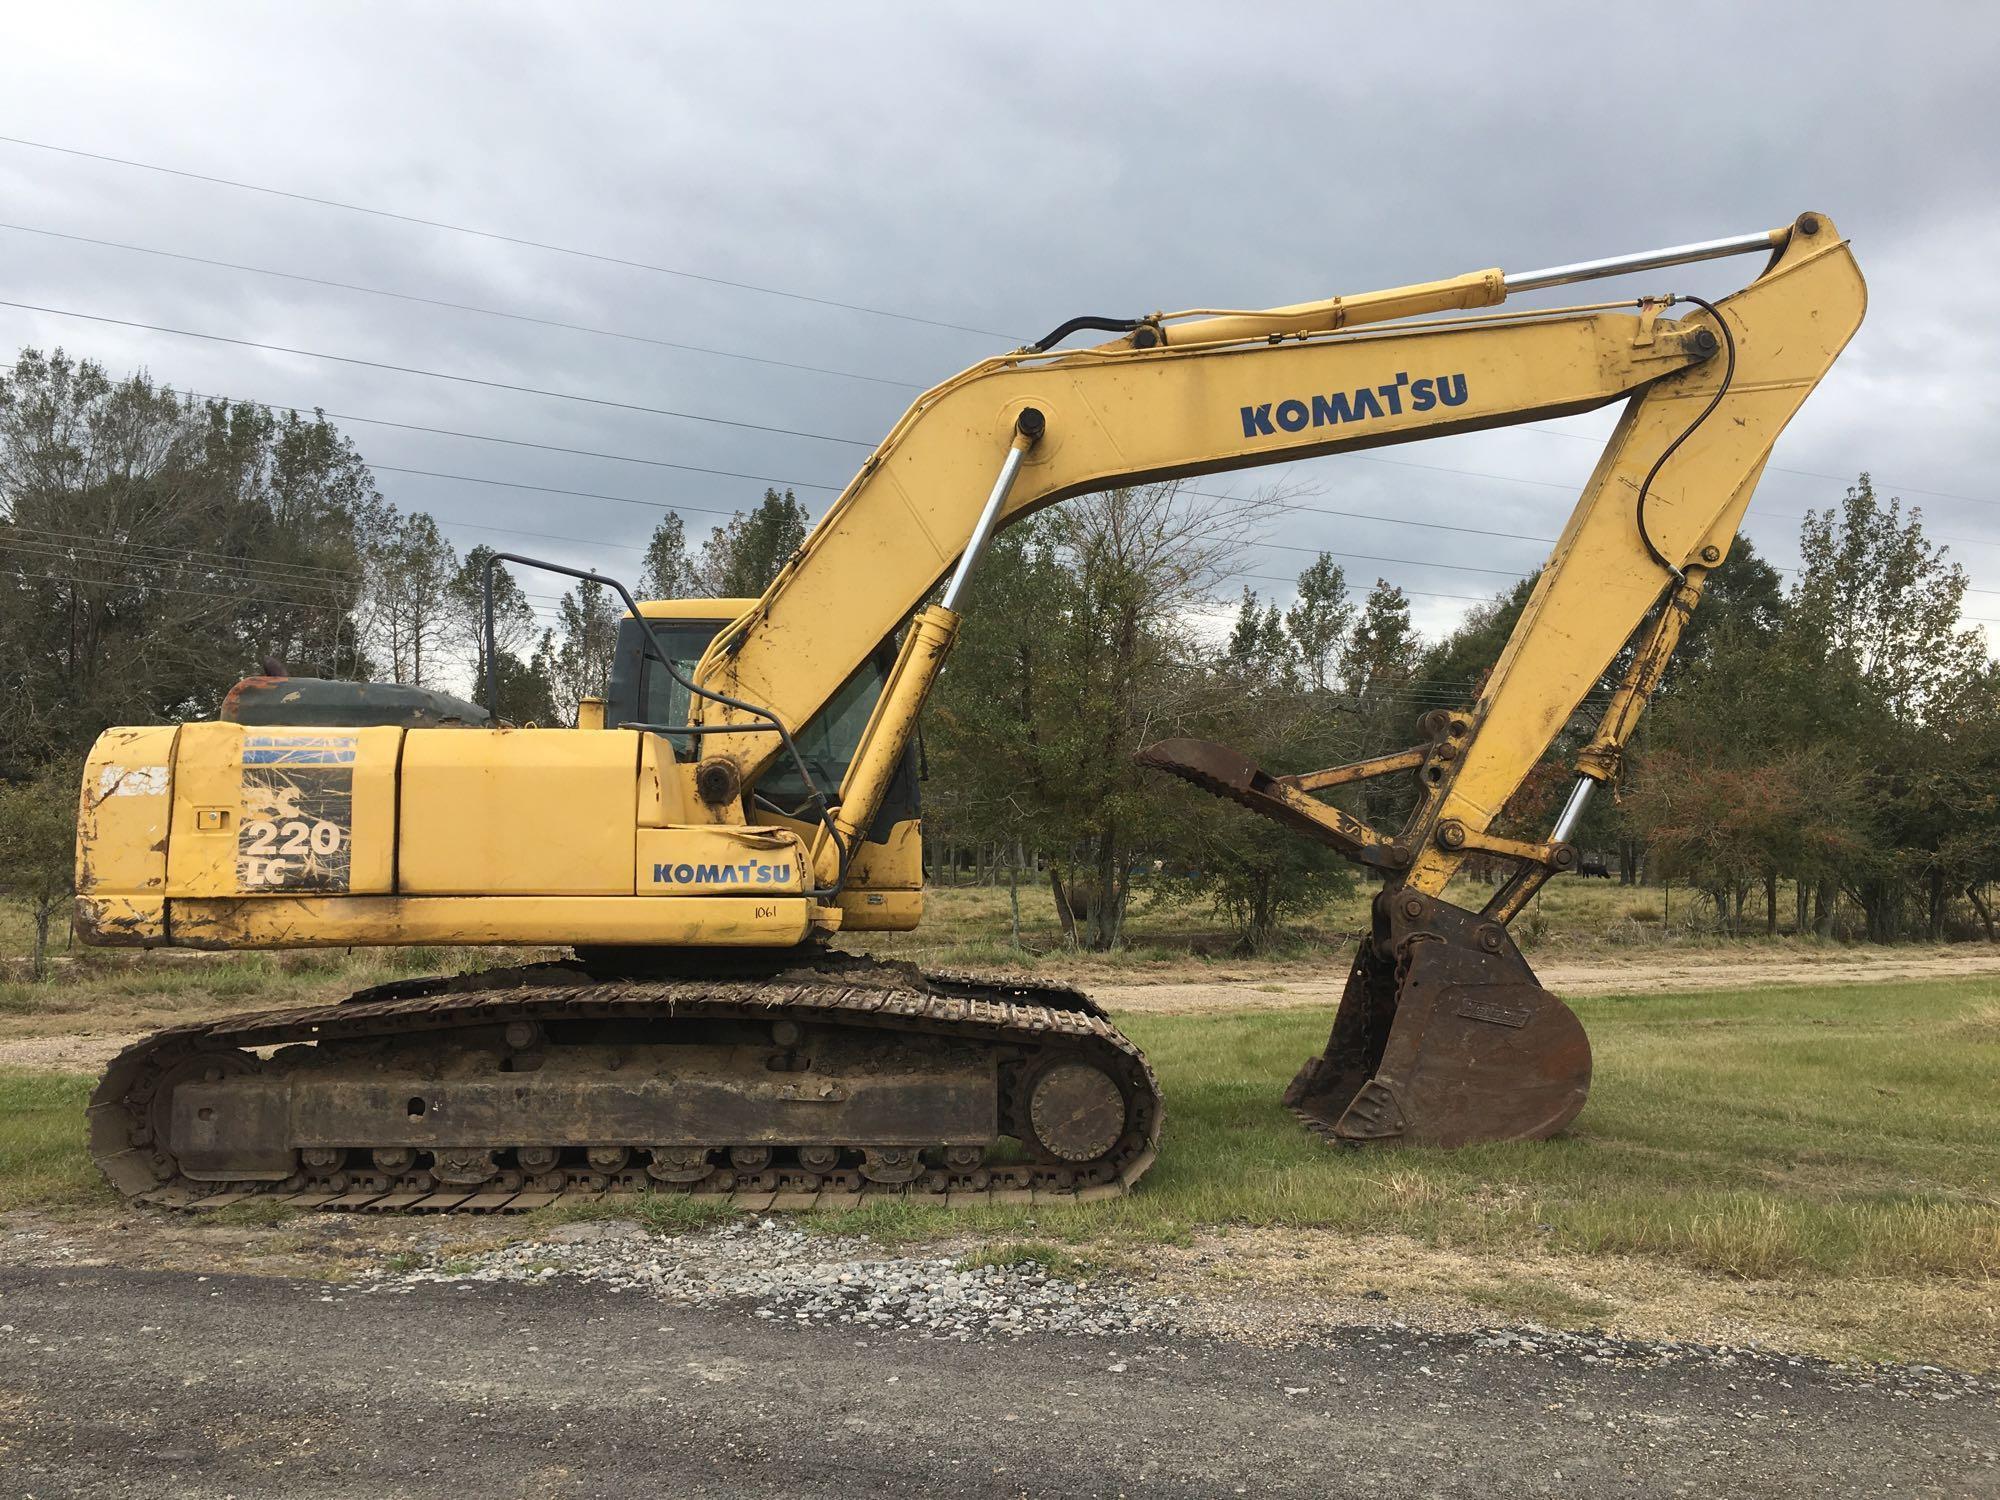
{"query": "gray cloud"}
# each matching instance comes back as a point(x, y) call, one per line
point(1002, 167)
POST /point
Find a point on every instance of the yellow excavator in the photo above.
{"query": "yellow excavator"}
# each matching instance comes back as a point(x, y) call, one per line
point(746, 791)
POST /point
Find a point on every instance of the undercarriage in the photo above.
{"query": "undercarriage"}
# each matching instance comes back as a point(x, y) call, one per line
point(817, 1083)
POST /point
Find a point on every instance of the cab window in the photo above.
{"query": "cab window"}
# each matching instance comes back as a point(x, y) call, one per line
point(642, 691)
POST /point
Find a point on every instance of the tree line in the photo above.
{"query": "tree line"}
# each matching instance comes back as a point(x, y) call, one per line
point(158, 545)
point(1823, 757)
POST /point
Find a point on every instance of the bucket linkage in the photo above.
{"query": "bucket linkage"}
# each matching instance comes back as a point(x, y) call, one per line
point(1444, 1037)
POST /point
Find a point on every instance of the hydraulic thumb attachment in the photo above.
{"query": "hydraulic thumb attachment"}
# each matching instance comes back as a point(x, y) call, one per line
point(1444, 1036)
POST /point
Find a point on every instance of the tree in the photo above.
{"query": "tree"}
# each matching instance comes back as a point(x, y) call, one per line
point(1254, 871)
point(156, 547)
point(738, 561)
point(1259, 650)
point(1382, 652)
point(1319, 619)
point(38, 845)
point(409, 614)
point(524, 696)
point(984, 720)
point(1873, 632)
point(668, 572)
point(1872, 591)
point(1728, 824)
point(576, 662)
point(1080, 645)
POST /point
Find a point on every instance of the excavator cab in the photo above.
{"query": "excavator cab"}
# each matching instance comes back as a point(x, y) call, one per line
point(884, 888)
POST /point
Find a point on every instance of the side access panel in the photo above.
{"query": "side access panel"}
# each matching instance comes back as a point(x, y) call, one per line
point(123, 818)
point(275, 811)
point(542, 812)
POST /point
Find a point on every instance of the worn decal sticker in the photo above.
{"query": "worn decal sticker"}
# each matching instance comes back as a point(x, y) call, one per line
point(297, 830)
point(299, 750)
point(132, 781)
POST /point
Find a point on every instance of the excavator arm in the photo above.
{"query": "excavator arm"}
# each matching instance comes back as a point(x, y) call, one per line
point(1707, 395)
point(1444, 1035)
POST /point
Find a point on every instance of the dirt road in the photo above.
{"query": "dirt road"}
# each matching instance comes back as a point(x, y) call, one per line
point(1650, 974)
point(69, 1042)
point(119, 1382)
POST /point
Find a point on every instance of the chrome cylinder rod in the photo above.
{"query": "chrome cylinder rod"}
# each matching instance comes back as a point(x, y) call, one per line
point(1027, 428)
point(1572, 813)
point(1646, 260)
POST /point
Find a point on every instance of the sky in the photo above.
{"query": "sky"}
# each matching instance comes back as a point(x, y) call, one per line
point(964, 178)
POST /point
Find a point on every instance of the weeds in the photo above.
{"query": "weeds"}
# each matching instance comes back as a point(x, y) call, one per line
point(253, 1211)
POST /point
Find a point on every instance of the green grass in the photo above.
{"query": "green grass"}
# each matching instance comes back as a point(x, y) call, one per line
point(42, 1160)
point(1839, 1130)
point(1827, 1131)
point(970, 926)
point(1843, 1129)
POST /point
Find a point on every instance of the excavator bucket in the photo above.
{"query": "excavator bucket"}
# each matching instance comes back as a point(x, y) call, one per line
point(1443, 1038)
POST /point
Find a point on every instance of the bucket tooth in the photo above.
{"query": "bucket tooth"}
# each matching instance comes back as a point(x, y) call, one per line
point(1444, 1038)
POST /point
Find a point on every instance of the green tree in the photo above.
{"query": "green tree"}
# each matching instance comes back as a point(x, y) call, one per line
point(738, 561)
point(1255, 872)
point(668, 572)
point(1259, 648)
point(1319, 619)
point(409, 616)
point(155, 547)
point(524, 696)
point(575, 661)
point(1080, 646)
point(38, 846)
point(1876, 595)
point(1382, 651)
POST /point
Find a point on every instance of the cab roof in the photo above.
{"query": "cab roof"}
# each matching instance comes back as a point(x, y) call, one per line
point(720, 611)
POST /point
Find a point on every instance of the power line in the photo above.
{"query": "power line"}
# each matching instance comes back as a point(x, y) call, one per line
point(1404, 561)
point(488, 437)
point(807, 484)
point(795, 484)
point(495, 385)
point(548, 489)
point(300, 572)
point(113, 553)
point(1233, 499)
point(509, 239)
point(490, 312)
point(157, 588)
point(1907, 489)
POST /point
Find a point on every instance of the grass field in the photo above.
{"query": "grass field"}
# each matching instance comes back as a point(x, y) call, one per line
point(1841, 1141)
point(1833, 1147)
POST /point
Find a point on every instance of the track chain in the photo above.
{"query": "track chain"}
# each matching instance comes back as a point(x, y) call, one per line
point(889, 997)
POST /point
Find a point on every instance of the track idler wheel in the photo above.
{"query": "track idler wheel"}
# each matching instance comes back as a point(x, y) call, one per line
point(1444, 1038)
point(1076, 1112)
point(465, 1167)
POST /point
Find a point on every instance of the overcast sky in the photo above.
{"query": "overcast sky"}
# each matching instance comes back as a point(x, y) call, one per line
point(1002, 168)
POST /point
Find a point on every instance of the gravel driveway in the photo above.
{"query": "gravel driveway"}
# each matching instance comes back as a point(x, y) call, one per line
point(754, 1361)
